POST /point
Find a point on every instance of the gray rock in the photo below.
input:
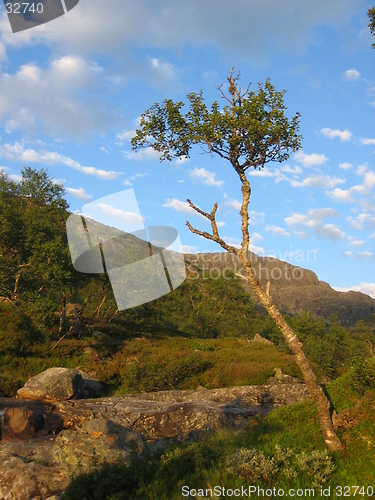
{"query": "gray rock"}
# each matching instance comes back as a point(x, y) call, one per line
point(96, 441)
point(54, 384)
point(179, 414)
point(20, 480)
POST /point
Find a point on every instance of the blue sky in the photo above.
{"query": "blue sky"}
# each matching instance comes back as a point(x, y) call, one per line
point(73, 89)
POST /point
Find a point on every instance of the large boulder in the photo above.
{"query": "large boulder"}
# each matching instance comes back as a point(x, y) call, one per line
point(54, 384)
point(96, 441)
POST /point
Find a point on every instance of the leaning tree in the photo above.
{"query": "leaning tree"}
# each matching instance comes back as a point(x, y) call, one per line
point(249, 131)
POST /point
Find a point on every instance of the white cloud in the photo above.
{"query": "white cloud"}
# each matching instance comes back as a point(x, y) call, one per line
point(3, 54)
point(310, 160)
point(256, 237)
point(366, 255)
point(342, 195)
point(129, 218)
point(345, 166)
point(313, 220)
point(233, 27)
point(124, 136)
point(163, 70)
point(367, 141)
point(221, 224)
point(182, 160)
point(351, 75)
point(277, 231)
point(264, 172)
point(180, 206)
point(343, 135)
point(349, 253)
point(367, 288)
point(364, 190)
point(357, 243)
point(291, 170)
point(17, 152)
point(79, 193)
point(189, 249)
point(318, 181)
point(142, 155)
point(208, 178)
point(58, 100)
point(234, 204)
point(362, 221)
point(128, 182)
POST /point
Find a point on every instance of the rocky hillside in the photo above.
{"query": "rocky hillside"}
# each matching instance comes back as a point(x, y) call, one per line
point(293, 289)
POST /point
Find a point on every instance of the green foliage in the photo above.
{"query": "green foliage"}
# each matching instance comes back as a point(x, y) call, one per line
point(249, 132)
point(35, 265)
point(180, 363)
point(329, 345)
point(362, 376)
point(371, 14)
point(201, 307)
point(255, 466)
point(17, 332)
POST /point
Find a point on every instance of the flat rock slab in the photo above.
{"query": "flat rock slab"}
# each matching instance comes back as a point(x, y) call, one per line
point(176, 414)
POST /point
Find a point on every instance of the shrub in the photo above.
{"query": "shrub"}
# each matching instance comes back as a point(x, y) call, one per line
point(255, 466)
point(362, 376)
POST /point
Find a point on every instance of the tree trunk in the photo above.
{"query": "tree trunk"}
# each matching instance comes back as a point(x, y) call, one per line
point(332, 440)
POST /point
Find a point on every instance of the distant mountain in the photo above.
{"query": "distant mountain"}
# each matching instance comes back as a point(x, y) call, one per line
point(294, 289)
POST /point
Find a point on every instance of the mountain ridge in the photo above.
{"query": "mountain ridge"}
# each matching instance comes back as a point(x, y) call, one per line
point(294, 289)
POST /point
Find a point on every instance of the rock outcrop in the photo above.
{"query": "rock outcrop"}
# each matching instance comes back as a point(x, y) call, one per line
point(43, 442)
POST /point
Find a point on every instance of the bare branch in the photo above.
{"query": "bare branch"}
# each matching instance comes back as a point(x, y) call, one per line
point(215, 233)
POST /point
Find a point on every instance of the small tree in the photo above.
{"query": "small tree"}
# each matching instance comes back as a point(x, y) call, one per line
point(250, 131)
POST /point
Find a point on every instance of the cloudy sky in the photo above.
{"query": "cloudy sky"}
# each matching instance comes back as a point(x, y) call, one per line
point(73, 89)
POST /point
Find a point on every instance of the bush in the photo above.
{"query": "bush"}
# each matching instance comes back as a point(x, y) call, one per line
point(256, 467)
point(17, 332)
point(362, 376)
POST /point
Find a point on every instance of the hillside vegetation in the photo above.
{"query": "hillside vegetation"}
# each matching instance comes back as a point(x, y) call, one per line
point(198, 335)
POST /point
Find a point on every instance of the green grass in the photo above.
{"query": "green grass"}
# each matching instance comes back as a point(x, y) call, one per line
point(204, 464)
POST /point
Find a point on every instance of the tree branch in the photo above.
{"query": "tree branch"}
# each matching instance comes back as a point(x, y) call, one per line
point(215, 232)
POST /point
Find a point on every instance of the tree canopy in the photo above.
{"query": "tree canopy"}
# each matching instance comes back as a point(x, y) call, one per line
point(35, 264)
point(250, 130)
